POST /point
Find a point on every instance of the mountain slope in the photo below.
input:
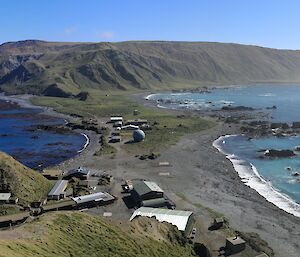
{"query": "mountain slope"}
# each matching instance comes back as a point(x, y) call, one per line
point(26, 184)
point(79, 234)
point(33, 66)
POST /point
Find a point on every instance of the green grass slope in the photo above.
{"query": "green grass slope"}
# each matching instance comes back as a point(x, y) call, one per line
point(53, 69)
point(167, 127)
point(26, 184)
point(78, 234)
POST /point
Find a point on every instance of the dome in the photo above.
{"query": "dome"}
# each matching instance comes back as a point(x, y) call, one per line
point(138, 135)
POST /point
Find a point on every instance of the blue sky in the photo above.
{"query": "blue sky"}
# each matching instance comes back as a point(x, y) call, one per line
point(273, 23)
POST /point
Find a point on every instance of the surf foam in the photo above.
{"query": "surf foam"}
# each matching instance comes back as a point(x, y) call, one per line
point(86, 143)
point(250, 176)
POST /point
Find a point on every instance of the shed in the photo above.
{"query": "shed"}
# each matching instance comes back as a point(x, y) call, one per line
point(217, 223)
point(146, 190)
point(81, 173)
point(137, 122)
point(58, 190)
point(4, 197)
point(235, 244)
point(118, 124)
point(93, 199)
point(88, 183)
point(130, 127)
point(158, 202)
point(183, 220)
point(115, 139)
point(114, 119)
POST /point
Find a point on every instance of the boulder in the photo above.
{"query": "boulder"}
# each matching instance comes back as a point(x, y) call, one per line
point(237, 108)
point(296, 125)
point(276, 125)
point(279, 153)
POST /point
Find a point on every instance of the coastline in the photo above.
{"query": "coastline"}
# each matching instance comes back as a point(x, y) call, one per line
point(24, 102)
point(214, 182)
point(250, 176)
point(205, 177)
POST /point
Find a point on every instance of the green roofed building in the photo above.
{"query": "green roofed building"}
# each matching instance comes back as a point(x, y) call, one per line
point(146, 190)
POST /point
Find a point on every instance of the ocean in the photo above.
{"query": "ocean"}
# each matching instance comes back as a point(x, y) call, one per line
point(273, 178)
point(36, 148)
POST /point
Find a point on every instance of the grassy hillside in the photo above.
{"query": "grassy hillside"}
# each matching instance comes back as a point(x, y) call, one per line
point(167, 127)
point(78, 234)
point(59, 69)
point(24, 183)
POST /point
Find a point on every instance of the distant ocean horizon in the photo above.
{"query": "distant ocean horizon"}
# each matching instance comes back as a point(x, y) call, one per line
point(35, 148)
point(274, 178)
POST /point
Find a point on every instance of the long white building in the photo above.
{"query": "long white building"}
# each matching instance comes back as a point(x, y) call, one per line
point(183, 220)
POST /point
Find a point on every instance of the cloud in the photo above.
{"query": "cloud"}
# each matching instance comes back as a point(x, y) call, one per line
point(107, 35)
point(70, 30)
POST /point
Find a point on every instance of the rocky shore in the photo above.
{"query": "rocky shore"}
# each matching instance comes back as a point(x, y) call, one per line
point(203, 176)
point(206, 176)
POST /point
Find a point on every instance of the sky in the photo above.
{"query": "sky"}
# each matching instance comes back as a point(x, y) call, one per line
point(271, 23)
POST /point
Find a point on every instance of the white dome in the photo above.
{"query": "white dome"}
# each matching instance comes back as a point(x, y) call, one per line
point(138, 135)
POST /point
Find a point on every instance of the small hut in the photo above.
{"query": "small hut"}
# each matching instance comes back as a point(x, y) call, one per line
point(235, 244)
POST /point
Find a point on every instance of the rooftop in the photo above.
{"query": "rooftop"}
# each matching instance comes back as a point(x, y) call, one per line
point(5, 196)
point(59, 187)
point(101, 196)
point(235, 240)
point(81, 170)
point(175, 217)
point(144, 187)
point(112, 118)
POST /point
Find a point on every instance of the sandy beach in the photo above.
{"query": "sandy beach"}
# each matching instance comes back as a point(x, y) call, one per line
point(205, 177)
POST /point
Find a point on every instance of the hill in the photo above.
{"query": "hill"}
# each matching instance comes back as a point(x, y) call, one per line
point(26, 184)
point(78, 234)
point(62, 69)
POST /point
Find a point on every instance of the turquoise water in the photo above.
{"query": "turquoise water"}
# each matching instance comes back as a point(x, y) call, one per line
point(285, 97)
point(273, 174)
point(272, 170)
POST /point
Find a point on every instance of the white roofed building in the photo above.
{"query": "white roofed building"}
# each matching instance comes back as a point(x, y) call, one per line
point(114, 119)
point(58, 190)
point(4, 197)
point(183, 220)
point(95, 199)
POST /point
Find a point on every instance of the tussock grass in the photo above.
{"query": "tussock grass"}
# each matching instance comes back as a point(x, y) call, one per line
point(78, 234)
point(26, 184)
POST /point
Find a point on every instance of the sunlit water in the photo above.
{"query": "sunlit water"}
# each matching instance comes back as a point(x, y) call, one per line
point(275, 179)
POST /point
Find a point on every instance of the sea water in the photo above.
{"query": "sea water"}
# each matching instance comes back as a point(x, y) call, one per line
point(35, 148)
point(272, 178)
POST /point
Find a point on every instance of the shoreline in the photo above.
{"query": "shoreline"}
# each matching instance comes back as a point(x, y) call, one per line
point(214, 182)
point(258, 183)
point(205, 177)
point(24, 102)
point(86, 144)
